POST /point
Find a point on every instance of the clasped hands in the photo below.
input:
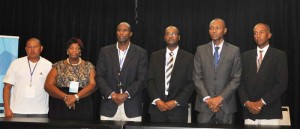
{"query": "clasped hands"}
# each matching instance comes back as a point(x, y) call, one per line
point(215, 103)
point(119, 98)
point(70, 101)
point(165, 106)
point(254, 107)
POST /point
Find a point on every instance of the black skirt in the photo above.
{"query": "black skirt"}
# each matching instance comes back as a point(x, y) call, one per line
point(83, 111)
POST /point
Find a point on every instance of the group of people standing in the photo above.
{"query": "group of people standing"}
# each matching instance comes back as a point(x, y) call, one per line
point(122, 73)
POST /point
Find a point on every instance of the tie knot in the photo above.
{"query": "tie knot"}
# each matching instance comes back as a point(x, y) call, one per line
point(217, 48)
point(261, 51)
point(171, 53)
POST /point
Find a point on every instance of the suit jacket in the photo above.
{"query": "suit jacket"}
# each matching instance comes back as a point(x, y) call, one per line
point(181, 84)
point(132, 76)
point(269, 83)
point(222, 81)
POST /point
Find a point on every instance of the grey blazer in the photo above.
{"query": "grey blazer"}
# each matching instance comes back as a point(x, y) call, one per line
point(223, 80)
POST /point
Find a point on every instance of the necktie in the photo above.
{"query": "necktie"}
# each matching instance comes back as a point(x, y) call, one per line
point(216, 57)
point(259, 60)
point(170, 65)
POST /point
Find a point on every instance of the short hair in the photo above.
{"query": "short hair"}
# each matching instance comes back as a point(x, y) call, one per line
point(171, 26)
point(74, 40)
point(129, 27)
point(264, 24)
point(35, 39)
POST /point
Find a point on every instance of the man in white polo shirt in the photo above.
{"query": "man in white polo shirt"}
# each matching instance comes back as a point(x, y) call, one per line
point(26, 77)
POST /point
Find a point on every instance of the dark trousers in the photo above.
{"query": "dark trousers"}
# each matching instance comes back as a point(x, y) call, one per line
point(215, 118)
point(174, 115)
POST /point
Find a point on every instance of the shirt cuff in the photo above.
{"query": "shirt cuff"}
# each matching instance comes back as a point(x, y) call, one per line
point(246, 102)
point(206, 97)
point(153, 102)
point(127, 94)
point(263, 101)
point(109, 97)
point(177, 104)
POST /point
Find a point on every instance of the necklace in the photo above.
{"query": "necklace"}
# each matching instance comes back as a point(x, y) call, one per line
point(74, 64)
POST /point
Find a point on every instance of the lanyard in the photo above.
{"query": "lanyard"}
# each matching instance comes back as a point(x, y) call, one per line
point(31, 72)
point(122, 58)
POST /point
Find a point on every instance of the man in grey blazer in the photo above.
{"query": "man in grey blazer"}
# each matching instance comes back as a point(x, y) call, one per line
point(121, 74)
point(217, 72)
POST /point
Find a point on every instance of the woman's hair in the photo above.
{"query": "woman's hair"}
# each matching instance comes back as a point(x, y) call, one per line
point(75, 40)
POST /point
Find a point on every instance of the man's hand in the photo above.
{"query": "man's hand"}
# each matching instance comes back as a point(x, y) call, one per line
point(8, 113)
point(119, 98)
point(214, 103)
point(171, 104)
point(254, 107)
point(161, 105)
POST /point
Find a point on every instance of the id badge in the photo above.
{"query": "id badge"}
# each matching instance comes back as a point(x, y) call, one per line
point(73, 87)
point(29, 92)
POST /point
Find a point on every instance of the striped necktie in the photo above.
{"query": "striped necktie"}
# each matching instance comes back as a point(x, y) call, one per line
point(170, 65)
point(259, 60)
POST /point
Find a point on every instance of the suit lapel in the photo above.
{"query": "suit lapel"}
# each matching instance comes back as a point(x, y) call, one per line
point(115, 57)
point(210, 55)
point(265, 63)
point(178, 59)
point(162, 61)
point(253, 67)
point(129, 56)
point(223, 54)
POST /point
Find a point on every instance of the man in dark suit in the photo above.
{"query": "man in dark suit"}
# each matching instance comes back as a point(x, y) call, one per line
point(121, 76)
point(264, 80)
point(170, 80)
point(217, 71)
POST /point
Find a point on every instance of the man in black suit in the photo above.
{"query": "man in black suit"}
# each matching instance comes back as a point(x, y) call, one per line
point(121, 74)
point(170, 80)
point(264, 79)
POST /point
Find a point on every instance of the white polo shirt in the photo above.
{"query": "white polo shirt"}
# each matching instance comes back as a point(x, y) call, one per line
point(26, 99)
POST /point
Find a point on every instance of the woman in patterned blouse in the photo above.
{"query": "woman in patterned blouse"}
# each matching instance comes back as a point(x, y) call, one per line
point(70, 84)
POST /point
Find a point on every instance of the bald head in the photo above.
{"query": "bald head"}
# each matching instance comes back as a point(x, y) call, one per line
point(217, 29)
point(126, 24)
point(219, 20)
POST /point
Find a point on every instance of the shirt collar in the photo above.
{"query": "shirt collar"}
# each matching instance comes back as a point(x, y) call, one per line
point(174, 51)
point(220, 46)
point(119, 48)
point(263, 49)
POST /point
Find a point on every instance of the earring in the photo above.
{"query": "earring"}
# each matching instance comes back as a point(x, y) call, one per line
point(67, 53)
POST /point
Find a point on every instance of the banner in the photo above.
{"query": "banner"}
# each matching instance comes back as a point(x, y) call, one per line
point(8, 52)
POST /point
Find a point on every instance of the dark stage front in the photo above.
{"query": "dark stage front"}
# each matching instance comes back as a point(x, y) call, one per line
point(45, 123)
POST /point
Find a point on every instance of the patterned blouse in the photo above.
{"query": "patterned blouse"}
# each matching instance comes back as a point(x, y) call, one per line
point(67, 73)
